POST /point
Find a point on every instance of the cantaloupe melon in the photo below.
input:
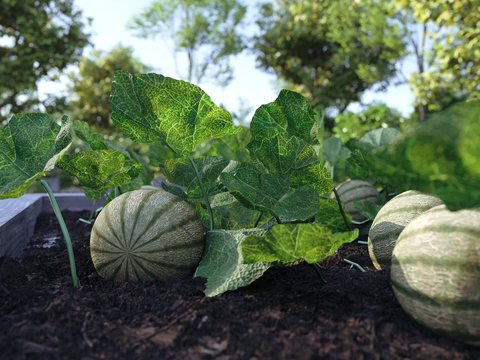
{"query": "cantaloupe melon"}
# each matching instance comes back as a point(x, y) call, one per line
point(355, 190)
point(146, 235)
point(435, 272)
point(392, 219)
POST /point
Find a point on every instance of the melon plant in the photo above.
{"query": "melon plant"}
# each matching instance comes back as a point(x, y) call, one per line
point(392, 219)
point(146, 235)
point(356, 190)
point(435, 272)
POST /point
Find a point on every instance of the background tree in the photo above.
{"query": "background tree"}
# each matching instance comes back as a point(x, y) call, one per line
point(331, 51)
point(205, 30)
point(354, 126)
point(449, 71)
point(45, 36)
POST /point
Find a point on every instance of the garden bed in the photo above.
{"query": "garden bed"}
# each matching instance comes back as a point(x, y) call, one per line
point(289, 313)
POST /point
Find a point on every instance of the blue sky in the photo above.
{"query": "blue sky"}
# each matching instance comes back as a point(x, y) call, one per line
point(255, 86)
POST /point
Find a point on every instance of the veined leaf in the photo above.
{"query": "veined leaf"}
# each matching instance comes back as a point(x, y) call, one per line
point(151, 107)
point(222, 261)
point(229, 213)
point(30, 144)
point(99, 169)
point(291, 242)
point(180, 171)
point(329, 216)
point(285, 141)
point(271, 193)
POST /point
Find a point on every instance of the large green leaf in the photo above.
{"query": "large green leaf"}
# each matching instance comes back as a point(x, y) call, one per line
point(30, 144)
point(222, 261)
point(291, 242)
point(439, 156)
point(99, 169)
point(257, 190)
point(329, 215)
point(229, 213)
point(151, 107)
point(285, 141)
point(180, 171)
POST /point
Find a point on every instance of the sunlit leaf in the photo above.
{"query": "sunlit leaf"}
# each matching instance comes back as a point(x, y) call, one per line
point(290, 242)
point(152, 107)
point(30, 144)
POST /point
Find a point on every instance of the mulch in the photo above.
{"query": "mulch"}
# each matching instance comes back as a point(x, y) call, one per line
point(289, 313)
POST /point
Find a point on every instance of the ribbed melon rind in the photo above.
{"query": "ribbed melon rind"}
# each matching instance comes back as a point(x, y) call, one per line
point(392, 219)
point(146, 235)
point(435, 272)
point(356, 190)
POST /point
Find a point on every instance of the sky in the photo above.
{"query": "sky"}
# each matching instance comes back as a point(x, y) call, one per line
point(108, 29)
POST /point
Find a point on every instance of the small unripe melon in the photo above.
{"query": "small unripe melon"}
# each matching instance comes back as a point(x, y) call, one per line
point(146, 235)
point(435, 272)
point(392, 219)
point(356, 190)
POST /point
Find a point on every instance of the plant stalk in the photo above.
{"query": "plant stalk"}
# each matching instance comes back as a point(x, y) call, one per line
point(207, 202)
point(258, 220)
point(341, 210)
point(56, 209)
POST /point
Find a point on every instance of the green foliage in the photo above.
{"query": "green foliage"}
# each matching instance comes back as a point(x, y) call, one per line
point(290, 242)
point(205, 30)
point(330, 51)
point(30, 144)
point(439, 156)
point(146, 109)
point(451, 67)
point(222, 261)
point(46, 37)
point(354, 126)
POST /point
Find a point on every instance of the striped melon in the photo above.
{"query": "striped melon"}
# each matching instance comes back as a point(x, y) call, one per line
point(435, 272)
point(145, 235)
point(392, 219)
point(356, 190)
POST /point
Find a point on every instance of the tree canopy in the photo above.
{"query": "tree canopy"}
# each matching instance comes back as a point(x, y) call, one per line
point(331, 51)
point(44, 36)
point(448, 53)
point(206, 31)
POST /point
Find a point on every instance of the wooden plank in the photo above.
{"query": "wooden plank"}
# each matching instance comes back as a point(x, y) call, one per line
point(17, 222)
point(19, 216)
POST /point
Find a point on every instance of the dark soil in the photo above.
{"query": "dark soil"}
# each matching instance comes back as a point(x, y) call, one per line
point(289, 313)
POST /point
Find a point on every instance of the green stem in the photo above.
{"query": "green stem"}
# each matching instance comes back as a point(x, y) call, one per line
point(278, 220)
point(93, 210)
point(106, 193)
point(341, 209)
point(207, 202)
point(64, 231)
point(318, 267)
point(354, 264)
point(258, 220)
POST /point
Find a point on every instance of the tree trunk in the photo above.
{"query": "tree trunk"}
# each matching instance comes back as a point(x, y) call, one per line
point(422, 112)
